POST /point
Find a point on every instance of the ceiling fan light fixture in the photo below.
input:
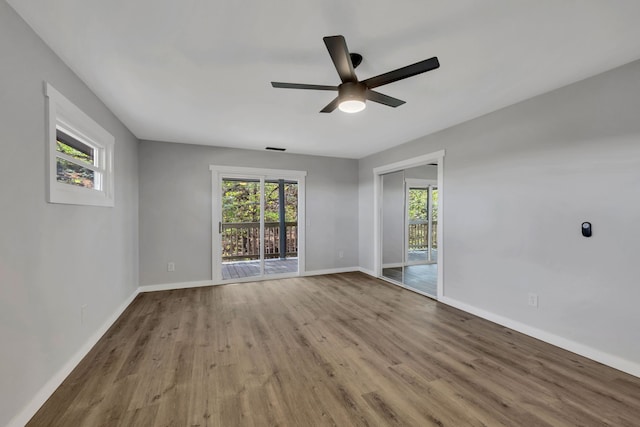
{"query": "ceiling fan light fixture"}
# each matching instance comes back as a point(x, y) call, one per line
point(352, 97)
point(353, 93)
point(352, 106)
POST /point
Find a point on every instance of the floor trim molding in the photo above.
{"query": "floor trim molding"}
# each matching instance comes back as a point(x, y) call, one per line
point(600, 356)
point(368, 272)
point(177, 285)
point(56, 380)
point(393, 265)
point(330, 271)
point(202, 283)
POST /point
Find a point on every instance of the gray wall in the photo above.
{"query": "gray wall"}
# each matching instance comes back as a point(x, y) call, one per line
point(175, 207)
point(53, 258)
point(517, 185)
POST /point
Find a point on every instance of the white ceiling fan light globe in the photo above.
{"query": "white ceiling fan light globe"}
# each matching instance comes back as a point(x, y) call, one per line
point(352, 106)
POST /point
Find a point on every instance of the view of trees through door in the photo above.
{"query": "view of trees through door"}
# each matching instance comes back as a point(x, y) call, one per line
point(256, 243)
point(422, 235)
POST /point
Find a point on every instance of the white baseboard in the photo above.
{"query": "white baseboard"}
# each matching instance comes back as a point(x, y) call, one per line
point(367, 271)
point(393, 265)
point(198, 284)
point(47, 390)
point(172, 286)
point(330, 271)
point(611, 360)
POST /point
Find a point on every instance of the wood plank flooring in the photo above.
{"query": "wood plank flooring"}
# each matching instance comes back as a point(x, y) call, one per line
point(335, 350)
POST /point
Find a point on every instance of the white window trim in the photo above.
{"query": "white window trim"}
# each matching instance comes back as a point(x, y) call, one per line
point(64, 114)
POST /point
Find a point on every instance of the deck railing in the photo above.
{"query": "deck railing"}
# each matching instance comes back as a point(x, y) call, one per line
point(418, 233)
point(242, 240)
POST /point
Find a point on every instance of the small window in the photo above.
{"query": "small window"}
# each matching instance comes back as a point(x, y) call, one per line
point(80, 155)
point(73, 162)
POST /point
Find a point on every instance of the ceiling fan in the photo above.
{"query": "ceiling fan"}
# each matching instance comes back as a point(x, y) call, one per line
point(353, 93)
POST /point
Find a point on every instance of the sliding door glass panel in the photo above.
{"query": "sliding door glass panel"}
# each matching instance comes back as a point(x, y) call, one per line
point(409, 219)
point(420, 269)
point(280, 226)
point(418, 226)
point(240, 228)
point(393, 230)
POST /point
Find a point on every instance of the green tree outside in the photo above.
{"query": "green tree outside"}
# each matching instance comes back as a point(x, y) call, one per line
point(418, 204)
point(241, 201)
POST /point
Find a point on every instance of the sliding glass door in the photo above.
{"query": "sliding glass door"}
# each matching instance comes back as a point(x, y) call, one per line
point(393, 226)
point(408, 228)
point(258, 229)
point(240, 228)
point(281, 227)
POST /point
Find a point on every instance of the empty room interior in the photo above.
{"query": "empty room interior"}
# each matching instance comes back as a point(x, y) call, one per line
point(319, 213)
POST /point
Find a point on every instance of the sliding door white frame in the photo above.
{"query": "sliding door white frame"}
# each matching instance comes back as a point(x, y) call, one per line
point(219, 172)
point(437, 158)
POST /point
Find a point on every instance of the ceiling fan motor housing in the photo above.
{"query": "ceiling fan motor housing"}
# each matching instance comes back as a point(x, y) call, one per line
point(352, 90)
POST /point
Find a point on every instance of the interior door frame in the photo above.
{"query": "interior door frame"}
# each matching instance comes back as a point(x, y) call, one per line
point(436, 157)
point(217, 173)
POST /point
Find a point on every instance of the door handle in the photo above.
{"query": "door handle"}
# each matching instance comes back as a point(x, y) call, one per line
point(220, 227)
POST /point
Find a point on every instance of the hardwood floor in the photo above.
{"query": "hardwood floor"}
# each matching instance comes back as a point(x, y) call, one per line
point(335, 350)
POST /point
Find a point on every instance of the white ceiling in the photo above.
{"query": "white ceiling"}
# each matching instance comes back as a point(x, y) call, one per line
point(199, 71)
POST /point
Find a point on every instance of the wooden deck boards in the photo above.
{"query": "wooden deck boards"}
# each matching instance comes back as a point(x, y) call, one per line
point(335, 350)
point(241, 269)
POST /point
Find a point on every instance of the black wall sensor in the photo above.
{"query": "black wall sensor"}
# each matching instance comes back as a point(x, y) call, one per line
point(586, 229)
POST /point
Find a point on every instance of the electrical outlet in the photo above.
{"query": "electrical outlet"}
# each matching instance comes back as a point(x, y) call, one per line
point(171, 266)
point(532, 300)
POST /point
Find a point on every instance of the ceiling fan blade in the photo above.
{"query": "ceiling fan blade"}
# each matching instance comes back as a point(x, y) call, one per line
point(402, 73)
point(332, 106)
point(302, 86)
point(380, 98)
point(337, 47)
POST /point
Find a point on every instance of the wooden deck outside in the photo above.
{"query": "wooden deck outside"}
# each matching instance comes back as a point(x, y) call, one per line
point(422, 256)
point(241, 269)
point(242, 240)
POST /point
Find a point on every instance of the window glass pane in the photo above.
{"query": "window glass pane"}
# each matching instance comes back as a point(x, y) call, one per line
point(74, 174)
point(281, 227)
point(418, 203)
point(74, 148)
